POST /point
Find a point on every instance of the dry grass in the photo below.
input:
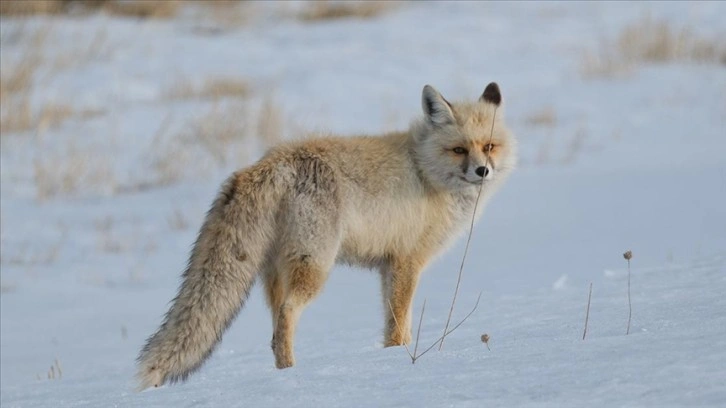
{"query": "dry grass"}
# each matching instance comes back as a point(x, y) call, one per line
point(219, 130)
point(16, 81)
point(16, 86)
point(71, 171)
point(17, 115)
point(223, 14)
point(59, 171)
point(22, 8)
point(83, 53)
point(546, 117)
point(214, 89)
point(651, 41)
point(227, 13)
point(587, 312)
point(658, 41)
point(226, 133)
point(55, 372)
point(575, 146)
point(122, 8)
point(270, 124)
point(19, 77)
point(332, 10)
point(107, 241)
point(142, 8)
point(24, 256)
point(177, 221)
point(222, 132)
point(52, 114)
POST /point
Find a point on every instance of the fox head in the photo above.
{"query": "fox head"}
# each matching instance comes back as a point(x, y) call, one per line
point(462, 145)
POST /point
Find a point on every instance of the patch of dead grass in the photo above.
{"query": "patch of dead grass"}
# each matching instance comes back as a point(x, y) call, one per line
point(270, 123)
point(220, 129)
point(223, 14)
point(320, 10)
point(106, 240)
point(25, 256)
point(71, 171)
point(213, 88)
point(16, 85)
point(16, 81)
point(228, 13)
point(177, 221)
point(545, 117)
point(17, 115)
point(651, 41)
point(204, 142)
point(225, 134)
point(121, 8)
point(143, 8)
point(21, 8)
point(78, 55)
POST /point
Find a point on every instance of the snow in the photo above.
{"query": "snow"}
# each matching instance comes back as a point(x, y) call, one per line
point(632, 162)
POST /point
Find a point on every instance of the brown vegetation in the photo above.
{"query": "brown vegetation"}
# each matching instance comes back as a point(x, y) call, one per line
point(333, 10)
point(651, 41)
point(127, 8)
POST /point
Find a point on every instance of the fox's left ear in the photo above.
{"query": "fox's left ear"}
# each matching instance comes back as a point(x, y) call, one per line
point(491, 94)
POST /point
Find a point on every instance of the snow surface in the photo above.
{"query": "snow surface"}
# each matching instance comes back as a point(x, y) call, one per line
point(633, 162)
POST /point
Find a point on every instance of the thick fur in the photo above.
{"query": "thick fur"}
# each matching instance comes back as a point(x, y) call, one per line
point(390, 203)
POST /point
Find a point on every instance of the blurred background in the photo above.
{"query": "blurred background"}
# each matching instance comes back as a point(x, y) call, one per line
point(119, 120)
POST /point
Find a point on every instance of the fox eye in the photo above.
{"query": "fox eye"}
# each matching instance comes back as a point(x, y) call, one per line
point(488, 147)
point(460, 150)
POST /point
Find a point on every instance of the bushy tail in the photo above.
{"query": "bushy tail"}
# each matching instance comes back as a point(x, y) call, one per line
point(223, 266)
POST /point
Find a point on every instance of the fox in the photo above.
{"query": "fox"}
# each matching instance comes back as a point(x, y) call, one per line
point(388, 202)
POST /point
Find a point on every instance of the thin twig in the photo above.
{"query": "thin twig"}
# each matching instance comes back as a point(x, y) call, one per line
point(587, 314)
point(413, 358)
point(418, 332)
point(630, 306)
point(468, 239)
point(58, 366)
point(454, 328)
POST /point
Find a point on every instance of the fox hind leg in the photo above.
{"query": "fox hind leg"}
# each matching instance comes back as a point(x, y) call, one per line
point(305, 278)
point(309, 243)
point(275, 294)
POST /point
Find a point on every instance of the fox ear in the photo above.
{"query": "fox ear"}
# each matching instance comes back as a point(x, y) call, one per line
point(491, 94)
point(436, 108)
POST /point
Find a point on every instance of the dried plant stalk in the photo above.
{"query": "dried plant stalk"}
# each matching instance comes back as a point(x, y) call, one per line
point(418, 331)
point(629, 255)
point(468, 239)
point(415, 356)
point(587, 313)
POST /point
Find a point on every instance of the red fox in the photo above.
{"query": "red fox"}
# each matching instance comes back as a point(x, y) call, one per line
point(390, 203)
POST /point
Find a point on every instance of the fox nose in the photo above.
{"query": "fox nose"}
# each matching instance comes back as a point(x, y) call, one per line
point(482, 171)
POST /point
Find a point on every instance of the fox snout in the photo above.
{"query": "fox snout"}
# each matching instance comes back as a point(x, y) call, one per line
point(482, 171)
point(476, 173)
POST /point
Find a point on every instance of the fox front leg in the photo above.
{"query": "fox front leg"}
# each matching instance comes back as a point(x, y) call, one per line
point(399, 281)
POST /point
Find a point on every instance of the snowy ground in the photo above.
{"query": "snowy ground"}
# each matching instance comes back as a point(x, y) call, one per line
point(630, 161)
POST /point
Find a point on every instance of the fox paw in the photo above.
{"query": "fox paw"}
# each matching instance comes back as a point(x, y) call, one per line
point(284, 360)
point(397, 340)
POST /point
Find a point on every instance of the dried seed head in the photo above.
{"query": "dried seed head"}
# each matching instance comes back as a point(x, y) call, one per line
point(627, 255)
point(485, 340)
